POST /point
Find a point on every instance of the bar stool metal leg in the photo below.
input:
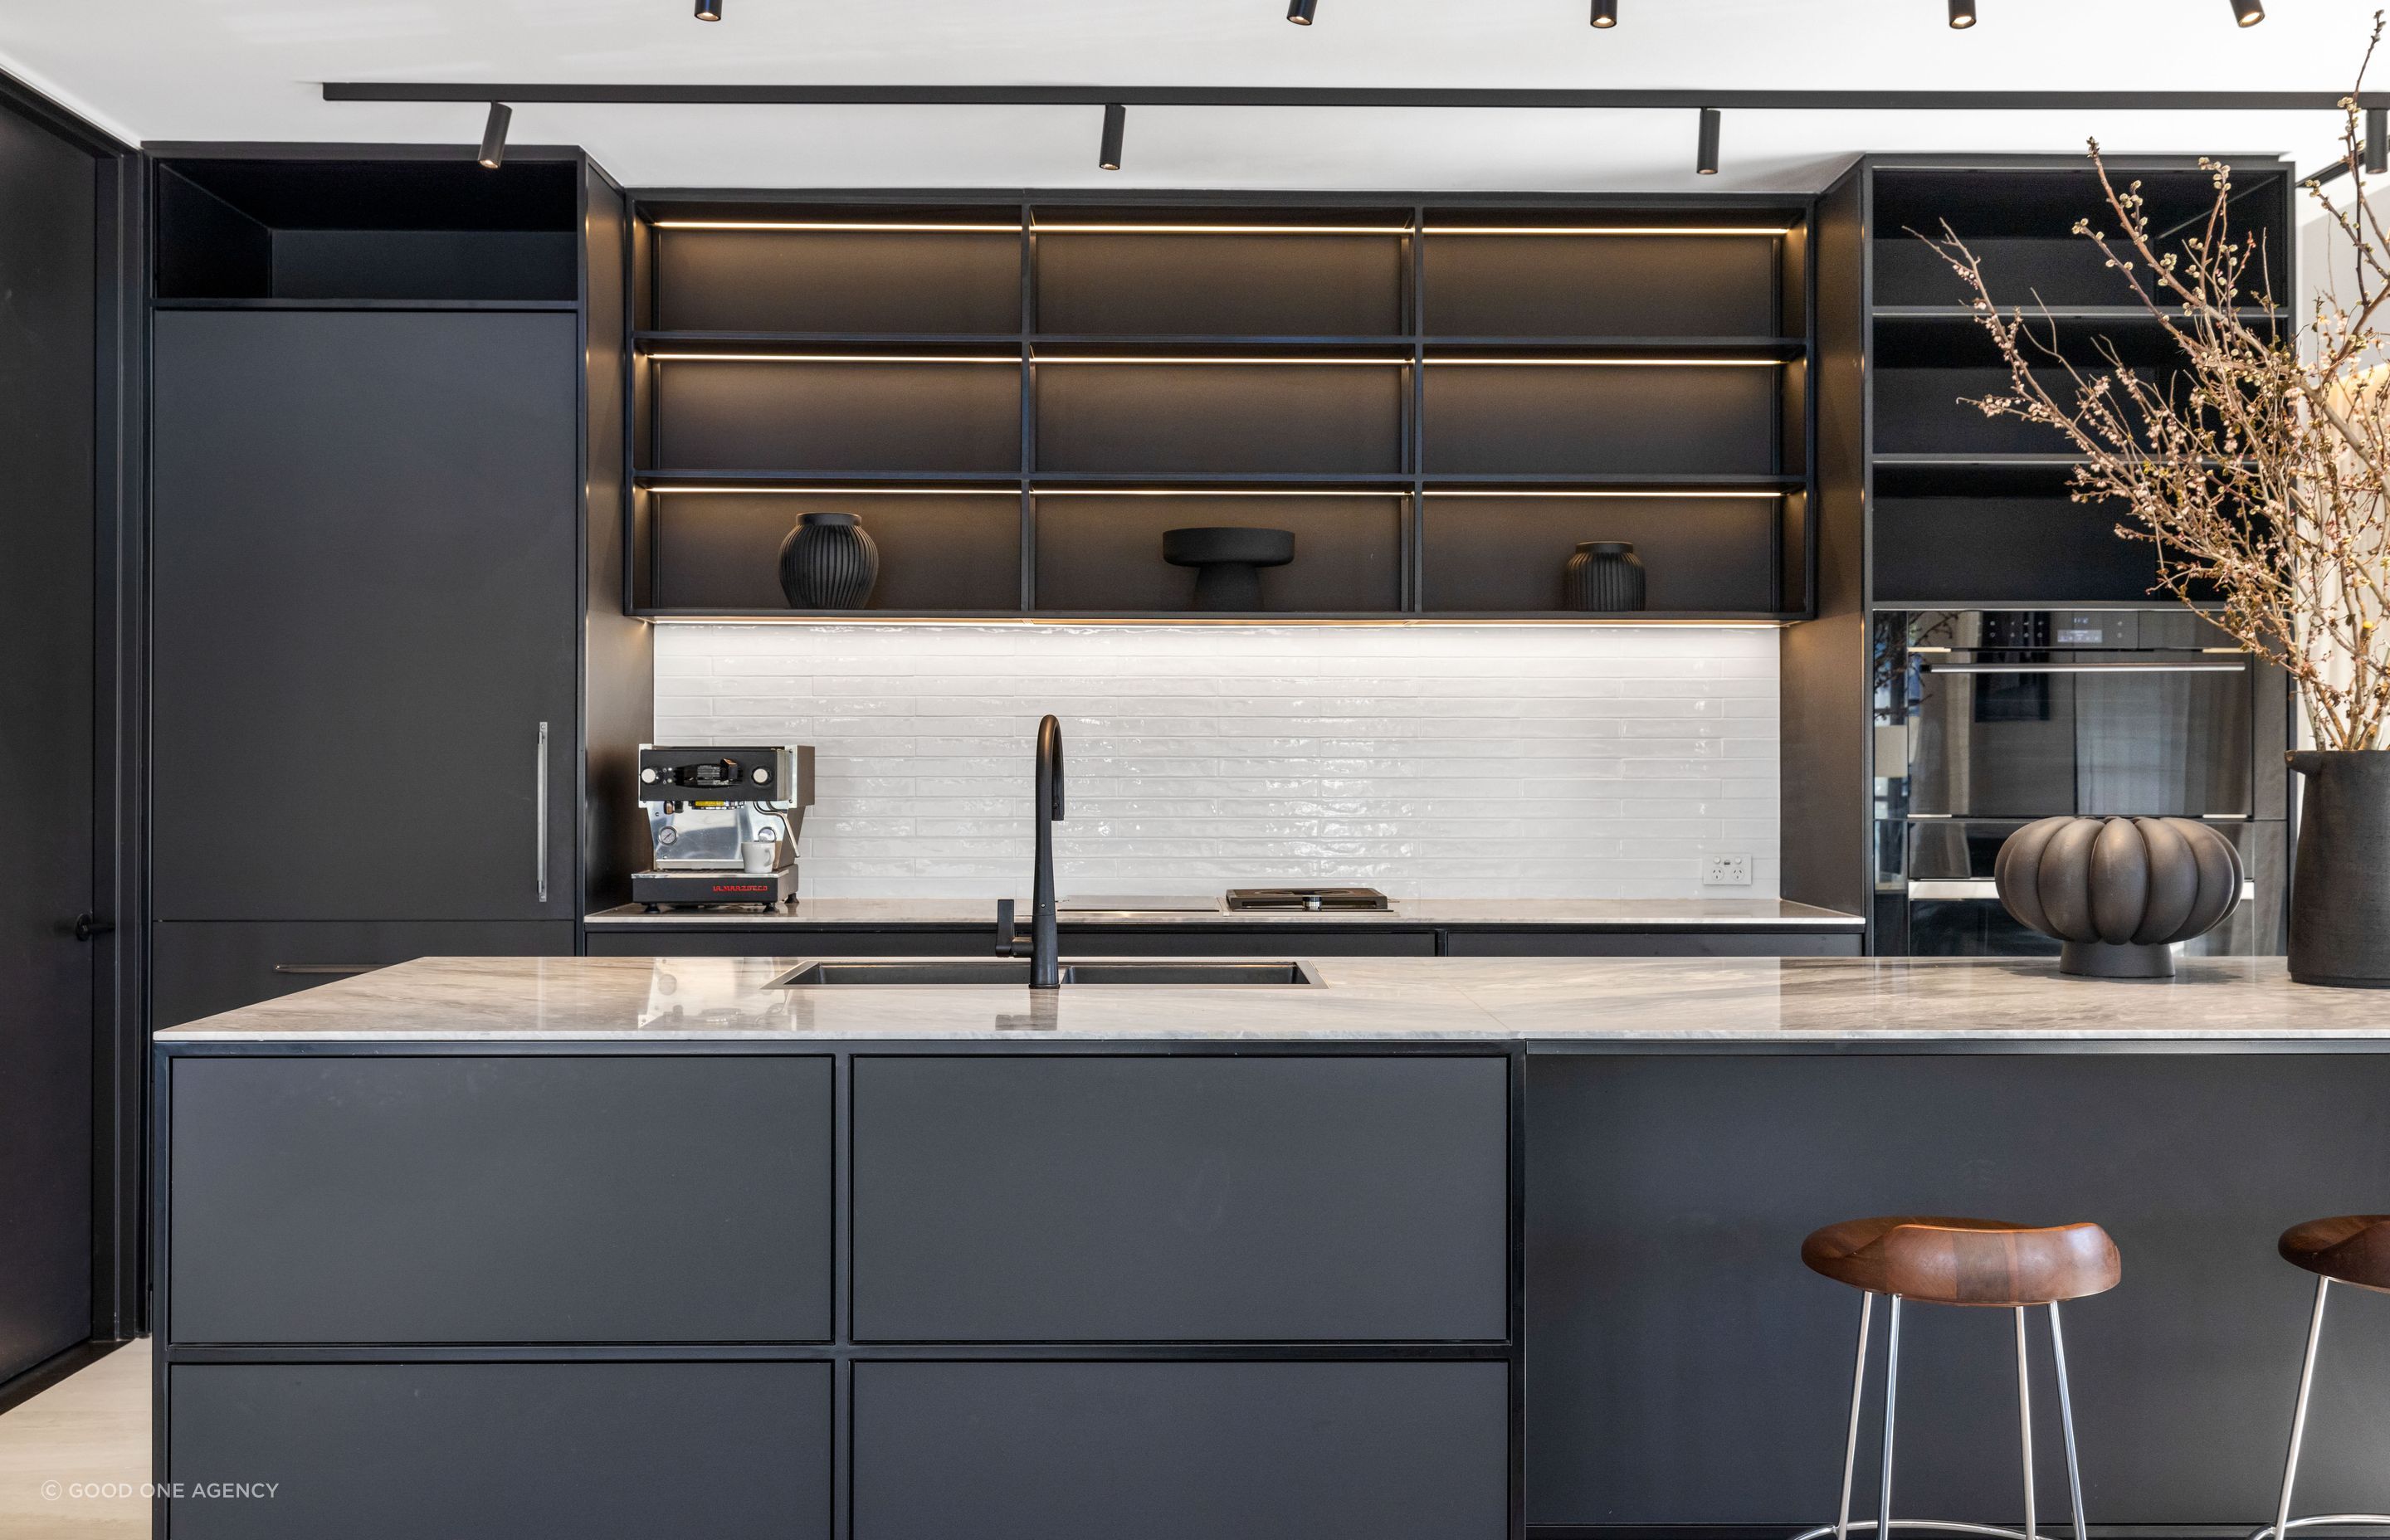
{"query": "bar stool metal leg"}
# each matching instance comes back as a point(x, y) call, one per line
point(2067, 1420)
point(1883, 1524)
point(2299, 1413)
point(1891, 1395)
point(2024, 1423)
point(2283, 1523)
point(1851, 1440)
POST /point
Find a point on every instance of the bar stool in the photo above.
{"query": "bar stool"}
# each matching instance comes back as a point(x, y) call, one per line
point(2353, 1248)
point(1961, 1261)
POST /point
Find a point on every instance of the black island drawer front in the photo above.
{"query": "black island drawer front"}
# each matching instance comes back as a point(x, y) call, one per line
point(593, 1451)
point(1185, 1450)
point(1181, 1198)
point(500, 1200)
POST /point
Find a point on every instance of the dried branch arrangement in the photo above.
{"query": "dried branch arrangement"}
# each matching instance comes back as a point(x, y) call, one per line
point(2259, 465)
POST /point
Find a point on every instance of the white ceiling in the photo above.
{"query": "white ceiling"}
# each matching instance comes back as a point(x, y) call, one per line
point(238, 69)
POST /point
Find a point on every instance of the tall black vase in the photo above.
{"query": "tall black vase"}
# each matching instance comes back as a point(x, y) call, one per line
point(2339, 884)
point(828, 562)
point(1604, 576)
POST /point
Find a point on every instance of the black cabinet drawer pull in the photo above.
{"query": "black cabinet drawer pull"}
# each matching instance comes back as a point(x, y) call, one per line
point(329, 969)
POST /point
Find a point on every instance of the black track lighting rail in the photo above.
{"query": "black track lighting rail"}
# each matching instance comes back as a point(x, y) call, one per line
point(702, 95)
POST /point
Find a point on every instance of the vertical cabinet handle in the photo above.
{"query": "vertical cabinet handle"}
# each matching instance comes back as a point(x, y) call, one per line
point(539, 811)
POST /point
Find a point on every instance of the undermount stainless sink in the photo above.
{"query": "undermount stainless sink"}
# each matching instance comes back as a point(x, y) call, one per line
point(1015, 971)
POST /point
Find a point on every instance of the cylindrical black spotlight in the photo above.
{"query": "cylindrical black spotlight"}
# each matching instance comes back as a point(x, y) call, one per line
point(1962, 14)
point(1115, 125)
point(709, 10)
point(2377, 140)
point(1299, 11)
point(494, 135)
point(2248, 12)
point(1605, 13)
point(1706, 163)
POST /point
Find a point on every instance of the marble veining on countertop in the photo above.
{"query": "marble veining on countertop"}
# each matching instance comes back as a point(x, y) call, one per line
point(1494, 1000)
point(1620, 914)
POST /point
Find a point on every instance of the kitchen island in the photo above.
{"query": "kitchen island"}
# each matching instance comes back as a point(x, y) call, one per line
point(1436, 1247)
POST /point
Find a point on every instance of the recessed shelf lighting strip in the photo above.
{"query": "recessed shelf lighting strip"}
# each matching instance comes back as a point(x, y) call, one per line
point(1043, 228)
point(852, 224)
point(1013, 359)
point(1608, 230)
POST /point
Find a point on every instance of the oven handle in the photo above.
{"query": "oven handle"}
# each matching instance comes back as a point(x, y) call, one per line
point(1926, 890)
point(2083, 667)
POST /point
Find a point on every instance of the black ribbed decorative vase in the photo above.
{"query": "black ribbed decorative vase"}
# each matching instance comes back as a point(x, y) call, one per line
point(2339, 882)
point(2118, 894)
point(828, 562)
point(1605, 575)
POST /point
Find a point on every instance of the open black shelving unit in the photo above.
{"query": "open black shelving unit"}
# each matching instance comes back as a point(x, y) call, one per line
point(1440, 399)
point(1969, 512)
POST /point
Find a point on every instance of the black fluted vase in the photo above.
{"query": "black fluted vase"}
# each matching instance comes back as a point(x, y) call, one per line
point(1604, 576)
point(828, 562)
point(2340, 881)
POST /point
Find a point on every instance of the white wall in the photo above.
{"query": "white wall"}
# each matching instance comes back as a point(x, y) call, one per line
point(1441, 762)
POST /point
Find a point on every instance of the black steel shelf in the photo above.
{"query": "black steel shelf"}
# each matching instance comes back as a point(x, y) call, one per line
point(368, 305)
point(1594, 481)
point(800, 481)
point(1196, 482)
point(2034, 313)
point(696, 614)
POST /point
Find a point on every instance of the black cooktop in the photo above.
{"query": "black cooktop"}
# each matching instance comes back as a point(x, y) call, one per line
point(1306, 898)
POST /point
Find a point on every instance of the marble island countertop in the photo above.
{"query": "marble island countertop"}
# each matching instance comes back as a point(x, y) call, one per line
point(1555, 1001)
point(1592, 913)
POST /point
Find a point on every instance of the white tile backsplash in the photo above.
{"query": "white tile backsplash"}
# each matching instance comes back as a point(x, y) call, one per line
point(1442, 761)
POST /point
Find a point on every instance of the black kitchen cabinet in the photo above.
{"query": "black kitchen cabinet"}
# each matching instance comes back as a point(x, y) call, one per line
point(501, 1451)
point(500, 1200)
point(1035, 1198)
point(366, 603)
point(1181, 1451)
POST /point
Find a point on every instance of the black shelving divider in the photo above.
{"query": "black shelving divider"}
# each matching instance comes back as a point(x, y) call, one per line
point(1231, 362)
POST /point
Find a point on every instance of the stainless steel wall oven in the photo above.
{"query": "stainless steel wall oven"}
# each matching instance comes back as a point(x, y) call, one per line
point(1986, 720)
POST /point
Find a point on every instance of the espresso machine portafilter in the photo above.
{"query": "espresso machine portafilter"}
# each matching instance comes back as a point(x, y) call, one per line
point(722, 823)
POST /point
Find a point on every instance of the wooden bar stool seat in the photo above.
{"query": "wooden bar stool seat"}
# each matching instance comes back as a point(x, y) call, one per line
point(2352, 1249)
point(1937, 1260)
point(2355, 1247)
point(1934, 1259)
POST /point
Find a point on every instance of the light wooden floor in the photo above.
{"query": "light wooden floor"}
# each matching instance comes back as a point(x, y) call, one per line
point(92, 1428)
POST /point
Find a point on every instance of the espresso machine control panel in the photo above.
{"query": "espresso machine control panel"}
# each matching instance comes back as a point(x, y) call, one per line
point(722, 823)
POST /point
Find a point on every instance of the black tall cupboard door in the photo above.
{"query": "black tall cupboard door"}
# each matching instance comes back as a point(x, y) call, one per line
point(366, 605)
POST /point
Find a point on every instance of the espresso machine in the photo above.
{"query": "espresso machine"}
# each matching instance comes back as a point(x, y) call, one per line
point(721, 825)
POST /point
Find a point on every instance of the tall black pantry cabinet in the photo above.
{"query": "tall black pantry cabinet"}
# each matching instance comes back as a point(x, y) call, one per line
point(372, 577)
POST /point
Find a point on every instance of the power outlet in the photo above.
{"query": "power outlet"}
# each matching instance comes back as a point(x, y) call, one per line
point(1727, 871)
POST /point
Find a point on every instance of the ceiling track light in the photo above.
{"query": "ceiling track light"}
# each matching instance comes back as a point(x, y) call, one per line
point(493, 136)
point(1705, 159)
point(1605, 13)
point(709, 10)
point(1116, 125)
point(2248, 12)
point(1300, 11)
point(2377, 140)
point(1962, 14)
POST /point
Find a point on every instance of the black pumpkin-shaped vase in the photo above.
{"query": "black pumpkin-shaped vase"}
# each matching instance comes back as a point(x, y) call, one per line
point(2118, 894)
point(828, 562)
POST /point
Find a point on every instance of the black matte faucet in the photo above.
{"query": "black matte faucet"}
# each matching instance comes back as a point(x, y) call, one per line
point(1044, 944)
